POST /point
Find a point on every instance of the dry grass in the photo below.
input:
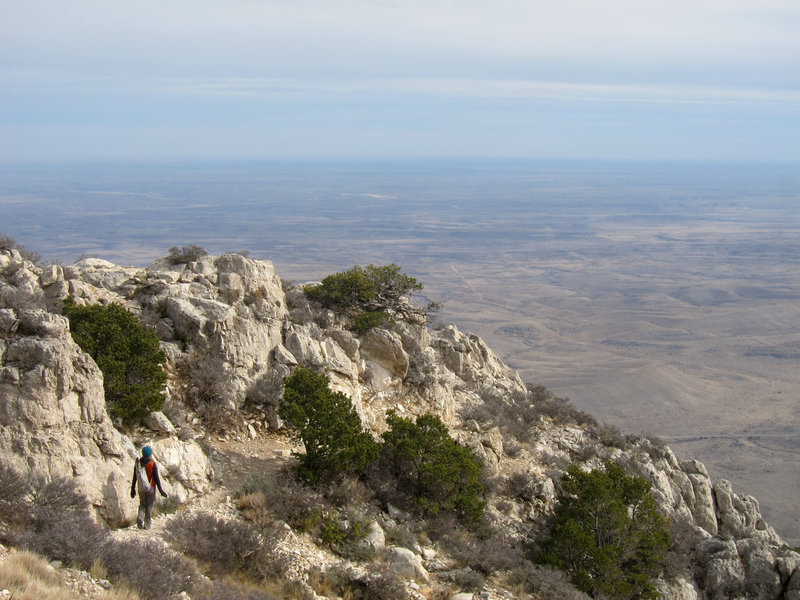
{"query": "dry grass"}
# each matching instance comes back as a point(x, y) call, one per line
point(226, 546)
point(29, 577)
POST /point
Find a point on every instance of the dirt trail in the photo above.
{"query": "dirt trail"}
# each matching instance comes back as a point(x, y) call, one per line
point(233, 460)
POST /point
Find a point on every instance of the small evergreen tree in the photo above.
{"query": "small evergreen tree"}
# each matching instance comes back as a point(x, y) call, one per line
point(369, 295)
point(438, 472)
point(328, 426)
point(127, 353)
point(607, 533)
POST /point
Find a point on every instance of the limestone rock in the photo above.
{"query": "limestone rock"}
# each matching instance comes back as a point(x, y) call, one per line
point(51, 274)
point(694, 467)
point(184, 466)
point(225, 325)
point(787, 562)
point(793, 588)
point(471, 360)
point(337, 359)
point(703, 510)
point(762, 578)
point(158, 422)
point(375, 538)
point(546, 490)
point(724, 572)
point(679, 589)
point(347, 341)
point(283, 356)
point(53, 417)
point(302, 345)
point(383, 351)
point(407, 564)
point(493, 440)
point(8, 321)
point(230, 309)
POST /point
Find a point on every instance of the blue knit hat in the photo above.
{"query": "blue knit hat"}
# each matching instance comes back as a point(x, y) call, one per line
point(147, 452)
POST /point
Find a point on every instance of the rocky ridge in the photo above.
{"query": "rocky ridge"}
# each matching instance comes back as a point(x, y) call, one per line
point(232, 331)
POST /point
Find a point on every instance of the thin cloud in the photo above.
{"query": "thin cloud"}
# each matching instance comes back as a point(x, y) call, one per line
point(286, 88)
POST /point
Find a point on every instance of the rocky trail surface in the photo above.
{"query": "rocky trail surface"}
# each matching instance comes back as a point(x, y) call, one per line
point(233, 459)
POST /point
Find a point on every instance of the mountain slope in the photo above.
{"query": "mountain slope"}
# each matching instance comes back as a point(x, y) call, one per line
point(232, 331)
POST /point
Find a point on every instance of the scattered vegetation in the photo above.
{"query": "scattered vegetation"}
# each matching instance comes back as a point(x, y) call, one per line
point(127, 353)
point(328, 426)
point(370, 296)
point(48, 517)
point(334, 512)
point(424, 463)
point(377, 582)
point(518, 414)
point(185, 254)
point(428, 464)
point(607, 533)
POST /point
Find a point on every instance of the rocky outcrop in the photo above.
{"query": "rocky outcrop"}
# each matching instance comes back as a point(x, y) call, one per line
point(52, 407)
point(738, 554)
point(227, 310)
point(226, 320)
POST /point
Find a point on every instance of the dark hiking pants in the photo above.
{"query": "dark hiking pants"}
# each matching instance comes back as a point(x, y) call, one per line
point(146, 502)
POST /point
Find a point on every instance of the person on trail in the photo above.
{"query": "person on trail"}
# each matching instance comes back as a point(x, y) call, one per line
point(145, 477)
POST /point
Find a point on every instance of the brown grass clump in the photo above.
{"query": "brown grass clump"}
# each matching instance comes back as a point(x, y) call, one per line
point(28, 577)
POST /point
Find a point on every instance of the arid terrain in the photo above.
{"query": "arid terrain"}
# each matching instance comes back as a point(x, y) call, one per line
point(702, 353)
point(660, 298)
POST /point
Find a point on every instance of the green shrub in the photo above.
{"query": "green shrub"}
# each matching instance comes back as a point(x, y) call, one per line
point(369, 319)
point(328, 426)
point(607, 533)
point(347, 291)
point(437, 471)
point(127, 353)
point(364, 290)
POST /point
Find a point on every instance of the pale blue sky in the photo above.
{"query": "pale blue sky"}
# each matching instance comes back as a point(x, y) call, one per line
point(618, 79)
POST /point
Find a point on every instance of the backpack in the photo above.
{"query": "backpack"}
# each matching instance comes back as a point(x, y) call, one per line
point(142, 480)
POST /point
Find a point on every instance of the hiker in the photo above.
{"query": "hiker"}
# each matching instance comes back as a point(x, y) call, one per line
point(145, 477)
